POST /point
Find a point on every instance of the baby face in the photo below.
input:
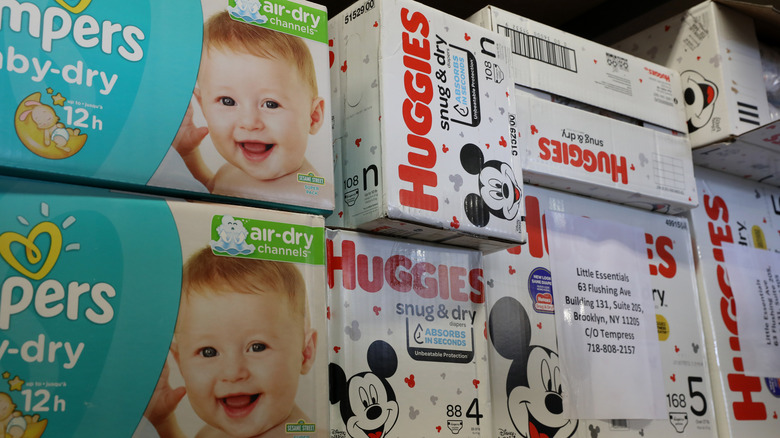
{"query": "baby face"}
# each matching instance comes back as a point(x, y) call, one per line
point(259, 112)
point(240, 356)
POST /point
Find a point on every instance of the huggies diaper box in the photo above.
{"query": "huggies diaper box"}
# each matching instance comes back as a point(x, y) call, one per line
point(219, 99)
point(550, 60)
point(408, 344)
point(524, 348)
point(715, 48)
point(428, 146)
point(586, 153)
point(123, 313)
point(733, 214)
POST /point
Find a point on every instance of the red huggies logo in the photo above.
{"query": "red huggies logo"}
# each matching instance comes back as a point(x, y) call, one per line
point(658, 74)
point(662, 247)
point(720, 232)
point(573, 155)
point(400, 273)
point(417, 115)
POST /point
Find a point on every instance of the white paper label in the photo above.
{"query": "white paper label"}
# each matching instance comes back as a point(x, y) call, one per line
point(608, 341)
point(754, 276)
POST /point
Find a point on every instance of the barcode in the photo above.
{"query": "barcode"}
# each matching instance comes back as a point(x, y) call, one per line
point(619, 424)
point(529, 46)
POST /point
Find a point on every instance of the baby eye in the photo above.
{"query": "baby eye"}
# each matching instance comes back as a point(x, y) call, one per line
point(270, 104)
point(257, 347)
point(227, 101)
point(208, 352)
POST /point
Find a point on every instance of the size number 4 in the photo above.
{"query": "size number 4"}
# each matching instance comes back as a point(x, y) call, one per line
point(471, 412)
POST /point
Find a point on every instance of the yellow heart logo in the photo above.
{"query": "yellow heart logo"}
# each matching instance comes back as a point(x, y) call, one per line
point(33, 253)
point(79, 8)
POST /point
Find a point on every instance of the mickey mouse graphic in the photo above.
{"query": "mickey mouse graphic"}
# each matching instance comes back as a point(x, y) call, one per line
point(533, 383)
point(367, 401)
point(499, 193)
point(700, 96)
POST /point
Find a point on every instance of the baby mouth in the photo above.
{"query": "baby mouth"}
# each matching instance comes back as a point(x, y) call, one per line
point(256, 151)
point(237, 406)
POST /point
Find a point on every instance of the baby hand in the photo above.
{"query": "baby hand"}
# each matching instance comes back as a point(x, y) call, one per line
point(189, 136)
point(164, 400)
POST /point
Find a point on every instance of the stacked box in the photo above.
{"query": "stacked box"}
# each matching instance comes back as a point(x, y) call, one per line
point(550, 60)
point(408, 344)
point(733, 211)
point(522, 328)
point(715, 49)
point(138, 103)
point(92, 282)
point(427, 148)
point(563, 82)
point(578, 151)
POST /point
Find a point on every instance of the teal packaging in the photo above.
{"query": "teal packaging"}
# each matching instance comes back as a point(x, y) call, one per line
point(90, 287)
point(95, 92)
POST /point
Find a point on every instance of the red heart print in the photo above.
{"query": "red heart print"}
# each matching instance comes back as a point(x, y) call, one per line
point(438, 429)
point(466, 36)
point(632, 167)
point(595, 62)
point(336, 349)
point(376, 24)
point(764, 220)
point(676, 349)
point(344, 67)
point(455, 223)
point(328, 312)
point(534, 131)
point(444, 148)
point(507, 94)
point(377, 309)
point(673, 377)
point(341, 214)
point(640, 80)
point(409, 380)
point(775, 415)
point(332, 57)
point(667, 27)
point(502, 142)
point(330, 42)
point(511, 270)
point(689, 199)
point(539, 325)
point(487, 145)
point(476, 383)
point(357, 142)
point(698, 58)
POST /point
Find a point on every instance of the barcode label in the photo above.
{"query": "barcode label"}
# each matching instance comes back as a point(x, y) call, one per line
point(531, 47)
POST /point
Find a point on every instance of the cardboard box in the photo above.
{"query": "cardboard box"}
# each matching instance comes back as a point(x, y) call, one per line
point(578, 151)
point(408, 338)
point(91, 288)
point(738, 211)
point(426, 122)
point(554, 61)
point(103, 105)
point(520, 283)
point(715, 49)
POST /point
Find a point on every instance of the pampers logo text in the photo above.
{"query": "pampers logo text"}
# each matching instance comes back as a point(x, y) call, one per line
point(48, 297)
point(56, 24)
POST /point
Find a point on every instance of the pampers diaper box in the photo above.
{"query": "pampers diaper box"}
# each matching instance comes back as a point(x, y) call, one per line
point(742, 214)
point(408, 347)
point(550, 60)
point(429, 149)
point(217, 99)
point(524, 347)
point(579, 151)
point(121, 312)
